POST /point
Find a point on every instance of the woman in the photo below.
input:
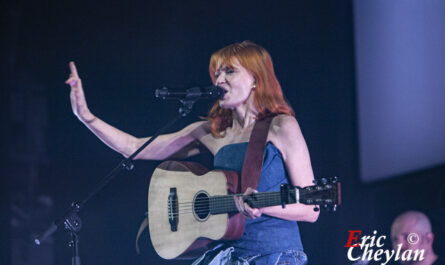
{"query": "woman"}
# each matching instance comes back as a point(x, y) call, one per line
point(245, 71)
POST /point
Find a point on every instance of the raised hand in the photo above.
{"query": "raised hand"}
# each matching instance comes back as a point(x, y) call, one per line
point(77, 96)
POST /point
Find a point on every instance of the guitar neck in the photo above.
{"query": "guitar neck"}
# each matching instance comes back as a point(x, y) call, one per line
point(226, 203)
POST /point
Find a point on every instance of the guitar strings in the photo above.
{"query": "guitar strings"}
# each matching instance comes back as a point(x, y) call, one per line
point(223, 203)
point(222, 197)
point(263, 195)
point(226, 203)
point(222, 200)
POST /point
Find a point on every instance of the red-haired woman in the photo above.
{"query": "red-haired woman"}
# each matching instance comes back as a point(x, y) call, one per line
point(245, 71)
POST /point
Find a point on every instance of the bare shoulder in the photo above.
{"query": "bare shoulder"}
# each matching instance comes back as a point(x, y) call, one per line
point(285, 126)
point(285, 134)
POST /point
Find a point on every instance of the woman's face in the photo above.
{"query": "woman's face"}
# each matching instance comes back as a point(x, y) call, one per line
point(237, 82)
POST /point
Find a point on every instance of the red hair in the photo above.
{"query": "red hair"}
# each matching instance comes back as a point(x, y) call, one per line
point(268, 97)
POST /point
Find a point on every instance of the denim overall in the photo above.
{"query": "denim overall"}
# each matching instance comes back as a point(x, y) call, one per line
point(266, 240)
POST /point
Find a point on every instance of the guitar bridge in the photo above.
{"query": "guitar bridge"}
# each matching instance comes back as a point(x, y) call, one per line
point(173, 210)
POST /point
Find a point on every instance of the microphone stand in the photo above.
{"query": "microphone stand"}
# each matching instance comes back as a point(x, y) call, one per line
point(71, 218)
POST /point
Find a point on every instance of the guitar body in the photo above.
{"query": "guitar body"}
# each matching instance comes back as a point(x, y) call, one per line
point(178, 228)
point(189, 206)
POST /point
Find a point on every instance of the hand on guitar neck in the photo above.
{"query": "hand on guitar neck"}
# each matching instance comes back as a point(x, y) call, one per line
point(244, 208)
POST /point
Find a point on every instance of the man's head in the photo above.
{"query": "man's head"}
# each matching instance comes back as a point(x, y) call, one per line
point(412, 229)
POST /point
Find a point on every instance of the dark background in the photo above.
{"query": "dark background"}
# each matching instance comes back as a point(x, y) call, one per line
point(126, 50)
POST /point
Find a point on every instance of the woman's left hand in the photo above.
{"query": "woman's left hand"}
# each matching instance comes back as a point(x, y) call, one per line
point(244, 208)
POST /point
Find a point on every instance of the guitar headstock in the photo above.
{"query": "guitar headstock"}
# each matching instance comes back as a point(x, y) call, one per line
point(326, 193)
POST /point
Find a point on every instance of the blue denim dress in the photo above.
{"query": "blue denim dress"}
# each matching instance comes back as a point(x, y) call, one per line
point(266, 240)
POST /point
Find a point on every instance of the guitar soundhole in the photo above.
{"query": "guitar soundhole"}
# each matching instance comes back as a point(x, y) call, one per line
point(201, 206)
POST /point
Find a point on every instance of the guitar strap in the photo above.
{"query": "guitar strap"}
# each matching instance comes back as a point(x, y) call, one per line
point(253, 160)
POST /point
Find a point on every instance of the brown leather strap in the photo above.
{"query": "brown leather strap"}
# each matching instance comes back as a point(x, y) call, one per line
point(253, 160)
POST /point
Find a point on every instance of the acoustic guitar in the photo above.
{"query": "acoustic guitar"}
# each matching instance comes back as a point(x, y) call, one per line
point(189, 206)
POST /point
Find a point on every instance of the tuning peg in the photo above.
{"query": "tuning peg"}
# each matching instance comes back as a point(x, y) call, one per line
point(334, 207)
point(315, 181)
point(324, 181)
point(334, 179)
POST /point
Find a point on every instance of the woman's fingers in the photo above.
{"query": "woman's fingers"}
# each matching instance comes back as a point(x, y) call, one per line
point(72, 81)
point(73, 70)
point(239, 203)
point(250, 191)
point(252, 212)
point(248, 211)
point(244, 208)
point(77, 96)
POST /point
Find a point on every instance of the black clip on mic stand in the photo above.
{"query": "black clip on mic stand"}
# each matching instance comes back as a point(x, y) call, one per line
point(71, 218)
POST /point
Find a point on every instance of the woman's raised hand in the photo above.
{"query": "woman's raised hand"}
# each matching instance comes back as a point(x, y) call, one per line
point(77, 96)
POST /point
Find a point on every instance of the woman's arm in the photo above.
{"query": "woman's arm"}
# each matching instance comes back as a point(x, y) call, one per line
point(287, 137)
point(162, 147)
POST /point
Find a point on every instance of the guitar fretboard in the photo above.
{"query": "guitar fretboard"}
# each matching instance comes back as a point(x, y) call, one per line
point(226, 203)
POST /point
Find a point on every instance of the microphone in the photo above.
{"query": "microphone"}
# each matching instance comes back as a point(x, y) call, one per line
point(38, 240)
point(210, 92)
point(70, 219)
